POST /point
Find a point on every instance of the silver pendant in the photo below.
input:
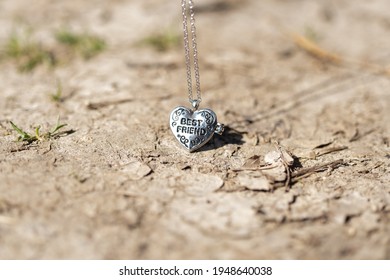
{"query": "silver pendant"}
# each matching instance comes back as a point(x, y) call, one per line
point(193, 129)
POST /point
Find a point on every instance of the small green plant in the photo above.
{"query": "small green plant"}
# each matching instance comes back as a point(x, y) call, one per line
point(38, 136)
point(85, 44)
point(162, 42)
point(57, 95)
point(13, 47)
point(28, 53)
point(312, 34)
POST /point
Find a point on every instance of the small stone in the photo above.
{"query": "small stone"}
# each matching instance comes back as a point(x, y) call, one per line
point(272, 157)
point(278, 173)
point(254, 183)
point(351, 231)
point(201, 184)
point(137, 170)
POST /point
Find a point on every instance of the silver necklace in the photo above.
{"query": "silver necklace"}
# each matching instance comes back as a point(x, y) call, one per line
point(193, 127)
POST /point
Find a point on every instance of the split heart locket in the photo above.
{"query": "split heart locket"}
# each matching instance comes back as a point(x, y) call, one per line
point(194, 128)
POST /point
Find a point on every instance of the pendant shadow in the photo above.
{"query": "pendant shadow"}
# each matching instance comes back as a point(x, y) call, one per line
point(229, 136)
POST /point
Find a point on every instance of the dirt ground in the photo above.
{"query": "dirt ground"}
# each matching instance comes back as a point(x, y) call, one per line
point(118, 185)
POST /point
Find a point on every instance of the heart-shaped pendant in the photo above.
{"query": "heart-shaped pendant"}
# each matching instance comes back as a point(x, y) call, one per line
point(193, 129)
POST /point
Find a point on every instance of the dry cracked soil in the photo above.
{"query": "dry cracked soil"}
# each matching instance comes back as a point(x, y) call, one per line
point(115, 184)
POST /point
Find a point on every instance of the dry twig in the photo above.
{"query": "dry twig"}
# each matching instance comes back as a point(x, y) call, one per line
point(305, 172)
point(315, 50)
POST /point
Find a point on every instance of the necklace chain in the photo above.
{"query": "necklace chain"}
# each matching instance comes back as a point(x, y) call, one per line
point(195, 102)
